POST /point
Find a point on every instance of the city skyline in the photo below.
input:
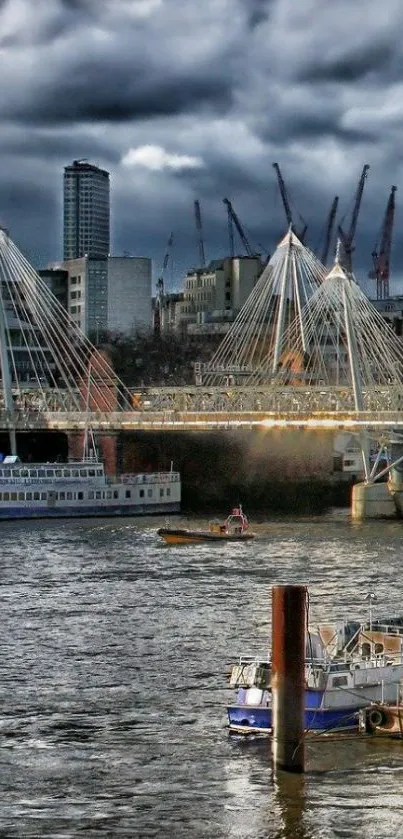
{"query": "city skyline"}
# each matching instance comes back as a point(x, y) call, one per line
point(198, 106)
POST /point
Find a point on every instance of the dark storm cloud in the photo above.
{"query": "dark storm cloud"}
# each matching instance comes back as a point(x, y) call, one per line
point(232, 85)
point(257, 11)
point(351, 66)
point(114, 94)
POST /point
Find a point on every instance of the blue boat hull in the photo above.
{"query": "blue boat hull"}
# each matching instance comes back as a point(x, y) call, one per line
point(249, 719)
point(84, 511)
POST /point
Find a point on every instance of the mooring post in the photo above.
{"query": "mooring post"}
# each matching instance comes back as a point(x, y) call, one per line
point(289, 618)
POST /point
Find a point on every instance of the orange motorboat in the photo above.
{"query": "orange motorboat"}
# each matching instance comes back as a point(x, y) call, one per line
point(233, 529)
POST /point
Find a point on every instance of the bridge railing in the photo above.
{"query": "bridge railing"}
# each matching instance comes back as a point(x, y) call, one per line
point(236, 401)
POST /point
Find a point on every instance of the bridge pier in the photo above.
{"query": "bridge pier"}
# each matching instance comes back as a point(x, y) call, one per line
point(372, 501)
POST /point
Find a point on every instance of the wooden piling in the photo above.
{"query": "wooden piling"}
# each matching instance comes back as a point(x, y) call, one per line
point(289, 619)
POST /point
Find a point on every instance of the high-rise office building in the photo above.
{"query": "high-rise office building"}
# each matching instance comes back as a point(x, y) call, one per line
point(86, 223)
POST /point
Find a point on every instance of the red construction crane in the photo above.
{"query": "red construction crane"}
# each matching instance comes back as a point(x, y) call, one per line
point(159, 297)
point(329, 229)
point(381, 255)
point(348, 238)
point(287, 206)
point(233, 220)
point(199, 228)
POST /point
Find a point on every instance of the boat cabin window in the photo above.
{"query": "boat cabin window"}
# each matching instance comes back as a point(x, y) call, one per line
point(115, 493)
point(75, 473)
point(33, 473)
point(80, 496)
point(58, 473)
point(1, 473)
point(21, 496)
point(168, 490)
point(43, 496)
point(379, 649)
point(161, 492)
point(91, 473)
point(24, 473)
point(13, 496)
point(109, 494)
point(98, 494)
point(66, 473)
point(91, 496)
point(339, 681)
point(62, 496)
point(366, 650)
point(149, 492)
point(50, 473)
point(128, 493)
point(28, 496)
point(69, 496)
point(141, 493)
point(99, 472)
point(83, 473)
point(16, 473)
point(41, 473)
point(36, 496)
point(6, 496)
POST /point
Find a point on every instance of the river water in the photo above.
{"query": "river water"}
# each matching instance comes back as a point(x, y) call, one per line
point(115, 650)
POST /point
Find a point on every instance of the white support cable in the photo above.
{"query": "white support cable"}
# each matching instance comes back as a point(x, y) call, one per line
point(70, 349)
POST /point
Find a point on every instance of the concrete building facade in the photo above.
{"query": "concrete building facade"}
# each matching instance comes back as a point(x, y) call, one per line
point(109, 295)
point(214, 295)
point(86, 211)
point(129, 294)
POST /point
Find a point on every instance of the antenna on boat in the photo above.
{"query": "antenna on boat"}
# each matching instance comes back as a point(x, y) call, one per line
point(370, 597)
point(87, 406)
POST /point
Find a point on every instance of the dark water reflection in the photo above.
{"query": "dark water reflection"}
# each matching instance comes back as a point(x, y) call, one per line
point(114, 656)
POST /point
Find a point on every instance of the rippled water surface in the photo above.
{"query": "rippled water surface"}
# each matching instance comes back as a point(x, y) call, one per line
point(114, 656)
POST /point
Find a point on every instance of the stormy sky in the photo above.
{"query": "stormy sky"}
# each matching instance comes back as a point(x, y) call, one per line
point(183, 100)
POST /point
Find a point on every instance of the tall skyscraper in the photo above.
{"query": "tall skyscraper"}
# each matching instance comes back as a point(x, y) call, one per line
point(86, 223)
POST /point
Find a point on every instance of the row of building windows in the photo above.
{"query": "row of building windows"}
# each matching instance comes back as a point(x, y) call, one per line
point(50, 473)
point(91, 495)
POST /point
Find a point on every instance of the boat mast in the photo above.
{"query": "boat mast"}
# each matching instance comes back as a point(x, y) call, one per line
point(5, 369)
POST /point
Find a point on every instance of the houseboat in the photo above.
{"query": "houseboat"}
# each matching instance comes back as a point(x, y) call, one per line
point(347, 667)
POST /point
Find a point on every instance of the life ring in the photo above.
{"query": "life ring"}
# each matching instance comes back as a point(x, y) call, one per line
point(377, 717)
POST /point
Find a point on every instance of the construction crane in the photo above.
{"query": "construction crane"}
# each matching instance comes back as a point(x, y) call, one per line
point(287, 206)
point(233, 220)
point(329, 229)
point(159, 297)
point(199, 229)
point(381, 255)
point(347, 239)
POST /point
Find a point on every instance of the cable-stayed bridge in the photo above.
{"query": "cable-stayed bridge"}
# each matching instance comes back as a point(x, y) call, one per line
point(307, 350)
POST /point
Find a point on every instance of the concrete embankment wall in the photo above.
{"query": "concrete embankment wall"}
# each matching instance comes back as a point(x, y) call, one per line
point(266, 470)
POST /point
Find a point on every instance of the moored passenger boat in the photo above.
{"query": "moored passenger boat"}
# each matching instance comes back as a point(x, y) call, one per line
point(347, 667)
point(81, 489)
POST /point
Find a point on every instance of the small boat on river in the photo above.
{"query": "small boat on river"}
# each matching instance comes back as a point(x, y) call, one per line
point(349, 667)
point(234, 529)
